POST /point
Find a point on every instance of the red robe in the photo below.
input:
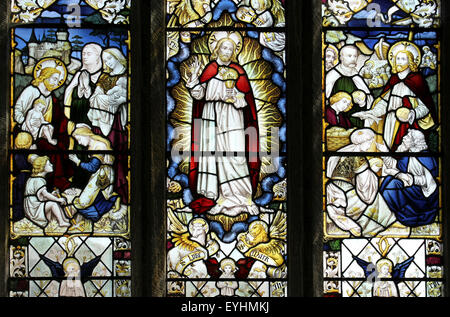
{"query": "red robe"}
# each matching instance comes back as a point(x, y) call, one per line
point(418, 85)
point(62, 166)
point(202, 204)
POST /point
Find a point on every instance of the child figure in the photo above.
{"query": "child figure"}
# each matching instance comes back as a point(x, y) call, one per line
point(227, 288)
point(40, 206)
point(36, 124)
point(359, 97)
point(383, 288)
point(72, 285)
point(340, 103)
point(119, 91)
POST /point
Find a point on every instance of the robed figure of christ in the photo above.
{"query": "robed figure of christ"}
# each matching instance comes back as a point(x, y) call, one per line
point(48, 75)
point(224, 120)
point(406, 101)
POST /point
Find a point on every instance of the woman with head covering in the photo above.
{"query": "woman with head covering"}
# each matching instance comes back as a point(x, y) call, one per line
point(77, 94)
point(108, 112)
point(98, 196)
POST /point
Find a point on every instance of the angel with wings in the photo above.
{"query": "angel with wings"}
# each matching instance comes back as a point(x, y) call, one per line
point(266, 246)
point(73, 273)
point(387, 276)
point(192, 246)
point(424, 13)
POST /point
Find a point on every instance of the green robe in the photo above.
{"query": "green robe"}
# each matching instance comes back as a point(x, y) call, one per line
point(346, 84)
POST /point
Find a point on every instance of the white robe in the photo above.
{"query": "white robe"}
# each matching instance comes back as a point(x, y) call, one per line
point(34, 203)
point(227, 288)
point(390, 103)
point(36, 125)
point(26, 100)
point(358, 206)
point(104, 105)
point(224, 179)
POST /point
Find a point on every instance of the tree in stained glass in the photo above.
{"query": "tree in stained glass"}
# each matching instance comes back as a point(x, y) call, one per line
point(69, 142)
point(226, 175)
point(382, 204)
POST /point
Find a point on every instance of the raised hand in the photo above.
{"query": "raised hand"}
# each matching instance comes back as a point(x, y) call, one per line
point(192, 71)
point(195, 68)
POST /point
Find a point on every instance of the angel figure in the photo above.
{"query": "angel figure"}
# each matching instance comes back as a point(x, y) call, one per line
point(429, 58)
point(192, 246)
point(228, 287)
point(421, 12)
point(387, 276)
point(339, 12)
point(73, 273)
point(266, 246)
point(266, 13)
point(188, 13)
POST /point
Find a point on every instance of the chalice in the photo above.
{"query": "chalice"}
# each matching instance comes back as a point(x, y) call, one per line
point(230, 78)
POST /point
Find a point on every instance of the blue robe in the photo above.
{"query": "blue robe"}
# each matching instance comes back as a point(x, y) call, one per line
point(409, 204)
point(224, 5)
point(101, 205)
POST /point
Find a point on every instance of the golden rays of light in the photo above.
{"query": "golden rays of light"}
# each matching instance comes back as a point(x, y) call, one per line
point(251, 51)
point(259, 69)
point(265, 92)
point(200, 46)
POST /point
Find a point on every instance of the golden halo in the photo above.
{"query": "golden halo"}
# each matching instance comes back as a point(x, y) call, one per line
point(202, 221)
point(404, 46)
point(53, 63)
point(234, 36)
point(336, 53)
point(384, 261)
point(261, 223)
point(227, 261)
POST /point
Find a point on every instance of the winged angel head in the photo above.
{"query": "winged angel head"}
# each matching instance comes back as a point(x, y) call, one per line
point(339, 12)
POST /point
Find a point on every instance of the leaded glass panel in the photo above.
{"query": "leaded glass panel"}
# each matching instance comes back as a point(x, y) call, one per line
point(226, 163)
point(69, 150)
point(382, 149)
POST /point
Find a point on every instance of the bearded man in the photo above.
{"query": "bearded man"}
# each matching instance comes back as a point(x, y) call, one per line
point(223, 111)
point(331, 57)
point(345, 78)
point(406, 101)
point(40, 88)
point(49, 74)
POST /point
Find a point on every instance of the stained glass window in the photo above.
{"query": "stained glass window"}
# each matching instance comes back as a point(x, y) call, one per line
point(69, 149)
point(382, 217)
point(226, 148)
